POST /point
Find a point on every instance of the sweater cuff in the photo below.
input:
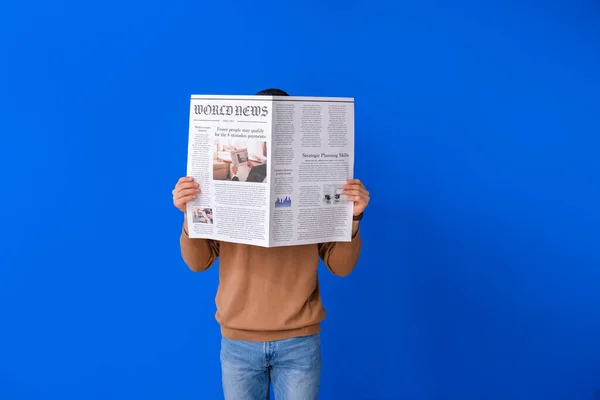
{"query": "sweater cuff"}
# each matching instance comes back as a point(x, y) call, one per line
point(357, 234)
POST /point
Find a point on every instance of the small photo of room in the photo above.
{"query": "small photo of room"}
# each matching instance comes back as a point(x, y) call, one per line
point(202, 216)
point(240, 160)
point(332, 194)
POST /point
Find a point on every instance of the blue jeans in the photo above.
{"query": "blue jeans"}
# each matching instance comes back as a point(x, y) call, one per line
point(293, 366)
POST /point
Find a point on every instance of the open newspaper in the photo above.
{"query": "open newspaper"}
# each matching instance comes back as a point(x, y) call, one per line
point(271, 169)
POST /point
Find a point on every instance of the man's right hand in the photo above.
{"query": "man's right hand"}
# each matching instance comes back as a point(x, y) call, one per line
point(185, 190)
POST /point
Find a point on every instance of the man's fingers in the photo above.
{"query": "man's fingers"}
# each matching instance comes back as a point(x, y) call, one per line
point(353, 192)
point(184, 200)
point(186, 192)
point(356, 196)
point(354, 185)
point(357, 191)
point(186, 185)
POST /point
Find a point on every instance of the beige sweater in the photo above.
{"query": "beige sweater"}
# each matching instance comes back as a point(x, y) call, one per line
point(269, 294)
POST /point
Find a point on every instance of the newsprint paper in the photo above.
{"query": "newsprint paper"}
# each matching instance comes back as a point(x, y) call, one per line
point(271, 169)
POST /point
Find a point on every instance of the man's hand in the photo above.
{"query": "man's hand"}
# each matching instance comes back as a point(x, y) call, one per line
point(358, 194)
point(185, 190)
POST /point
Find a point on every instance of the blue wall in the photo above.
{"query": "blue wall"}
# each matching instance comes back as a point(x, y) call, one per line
point(477, 135)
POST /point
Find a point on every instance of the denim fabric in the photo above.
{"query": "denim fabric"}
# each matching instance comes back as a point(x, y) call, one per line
point(292, 366)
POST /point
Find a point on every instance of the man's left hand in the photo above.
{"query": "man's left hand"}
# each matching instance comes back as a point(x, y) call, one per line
point(358, 194)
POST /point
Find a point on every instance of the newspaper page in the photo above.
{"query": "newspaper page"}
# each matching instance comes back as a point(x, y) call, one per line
point(313, 157)
point(271, 169)
point(228, 153)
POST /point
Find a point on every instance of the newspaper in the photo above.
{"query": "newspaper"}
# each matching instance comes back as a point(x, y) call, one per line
point(271, 169)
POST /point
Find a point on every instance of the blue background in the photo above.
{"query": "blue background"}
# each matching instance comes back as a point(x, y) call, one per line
point(476, 132)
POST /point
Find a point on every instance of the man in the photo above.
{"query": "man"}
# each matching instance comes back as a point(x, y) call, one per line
point(269, 304)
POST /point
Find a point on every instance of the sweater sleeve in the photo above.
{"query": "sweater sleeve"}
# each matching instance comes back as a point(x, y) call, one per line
point(341, 257)
point(198, 254)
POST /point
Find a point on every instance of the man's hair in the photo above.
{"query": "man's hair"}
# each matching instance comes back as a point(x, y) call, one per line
point(272, 92)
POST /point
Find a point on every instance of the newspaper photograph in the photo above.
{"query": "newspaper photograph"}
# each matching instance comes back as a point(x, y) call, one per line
point(271, 169)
